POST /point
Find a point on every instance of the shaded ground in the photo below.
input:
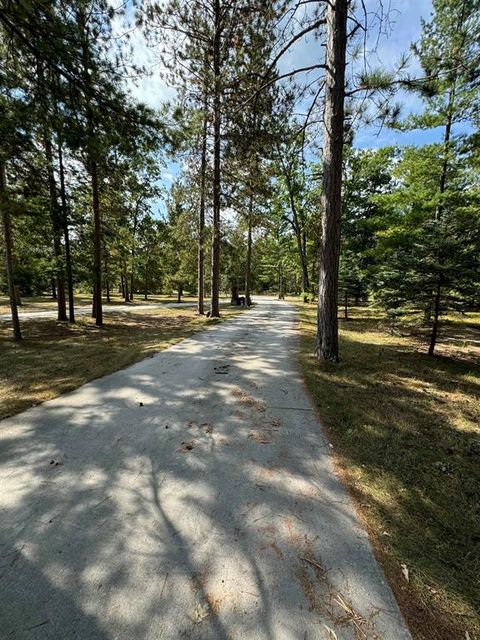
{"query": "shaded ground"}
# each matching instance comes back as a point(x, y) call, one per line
point(189, 496)
point(57, 357)
point(405, 429)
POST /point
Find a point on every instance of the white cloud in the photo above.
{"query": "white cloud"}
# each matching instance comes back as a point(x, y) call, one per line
point(150, 87)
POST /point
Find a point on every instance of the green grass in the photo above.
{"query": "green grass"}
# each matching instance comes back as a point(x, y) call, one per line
point(56, 357)
point(405, 430)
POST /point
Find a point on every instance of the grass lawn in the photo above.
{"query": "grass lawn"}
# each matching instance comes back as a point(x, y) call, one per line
point(57, 357)
point(405, 430)
point(43, 303)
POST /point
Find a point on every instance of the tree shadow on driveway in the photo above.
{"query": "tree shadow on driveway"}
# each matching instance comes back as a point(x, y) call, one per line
point(188, 496)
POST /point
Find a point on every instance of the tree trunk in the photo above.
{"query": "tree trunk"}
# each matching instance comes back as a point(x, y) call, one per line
point(122, 285)
point(97, 246)
point(66, 236)
point(125, 280)
point(7, 235)
point(215, 304)
point(107, 281)
point(56, 227)
point(132, 268)
point(201, 213)
point(301, 249)
point(248, 272)
point(438, 214)
point(446, 148)
point(179, 293)
point(281, 295)
point(436, 315)
point(345, 313)
point(327, 319)
point(54, 289)
point(92, 157)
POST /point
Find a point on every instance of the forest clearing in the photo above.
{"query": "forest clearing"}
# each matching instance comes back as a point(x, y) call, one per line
point(240, 319)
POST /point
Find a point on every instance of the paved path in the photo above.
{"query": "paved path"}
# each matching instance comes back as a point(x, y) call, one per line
point(191, 495)
point(86, 310)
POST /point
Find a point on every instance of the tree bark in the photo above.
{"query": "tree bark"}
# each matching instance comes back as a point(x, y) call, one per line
point(57, 228)
point(201, 213)
point(281, 295)
point(145, 286)
point(92, 155)
point(301, 241)
point(438, 214)
point(133, 249)
point(436, 315)
point(66, 236)
point(327, 319)
point(215, 304)
point(7, 235)
point(97, 245)
point(125, 281)
point(107, 280)
point(248, 271)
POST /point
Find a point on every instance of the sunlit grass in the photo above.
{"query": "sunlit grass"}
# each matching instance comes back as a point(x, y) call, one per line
point(406, 433)
point(44, 303)
point(56, 357)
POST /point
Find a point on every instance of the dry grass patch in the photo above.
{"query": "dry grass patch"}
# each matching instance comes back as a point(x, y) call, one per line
point(57, 357)
point(406, 434)
point(46, 303)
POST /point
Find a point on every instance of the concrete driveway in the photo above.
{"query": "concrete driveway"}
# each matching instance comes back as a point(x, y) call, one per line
point(191, 495)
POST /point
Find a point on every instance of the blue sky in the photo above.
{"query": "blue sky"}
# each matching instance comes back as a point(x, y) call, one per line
point(404, 28)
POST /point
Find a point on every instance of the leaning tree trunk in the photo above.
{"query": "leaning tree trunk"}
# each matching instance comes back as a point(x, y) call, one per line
point(327, 321)
point(215, 304)
point(7, 235)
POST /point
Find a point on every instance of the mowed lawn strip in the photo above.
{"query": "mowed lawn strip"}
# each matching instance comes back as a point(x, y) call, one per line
point(57, 357)
point(405, 430)
point(47, 303)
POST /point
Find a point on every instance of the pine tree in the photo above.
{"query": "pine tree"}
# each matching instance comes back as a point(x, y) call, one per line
point(449, 53)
